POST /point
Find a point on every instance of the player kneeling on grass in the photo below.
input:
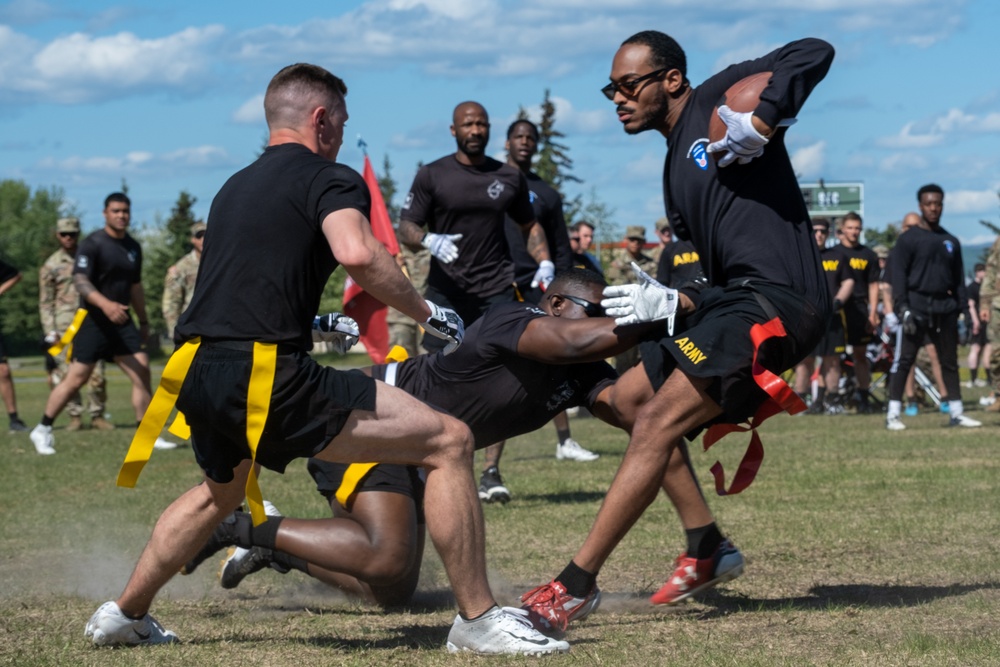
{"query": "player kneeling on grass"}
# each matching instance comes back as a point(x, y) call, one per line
point(520, 365)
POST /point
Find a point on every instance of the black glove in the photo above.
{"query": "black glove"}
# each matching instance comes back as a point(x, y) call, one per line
point(909, 322)
point(837, 305)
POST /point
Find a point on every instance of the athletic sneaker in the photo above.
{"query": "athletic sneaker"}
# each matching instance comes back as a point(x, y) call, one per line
point(164, 444)
point(980, 382)
point(693, 576)
point(18, 426)
point(911, 410)
point(242, 562)
point(943, 407)
point(232, 531)
point(894, 424)
point(110, 627)
point(500, 631)
point(41, 438)
point(552, 603)
point(834, 409)
point(491, 488)
point(962, 420)
point(572, 451)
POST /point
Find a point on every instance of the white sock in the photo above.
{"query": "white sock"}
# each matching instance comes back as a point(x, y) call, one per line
point(955, 408)
point(895, 407)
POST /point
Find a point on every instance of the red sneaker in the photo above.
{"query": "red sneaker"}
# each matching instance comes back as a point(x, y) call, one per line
point(693, 576)
point(552, 603)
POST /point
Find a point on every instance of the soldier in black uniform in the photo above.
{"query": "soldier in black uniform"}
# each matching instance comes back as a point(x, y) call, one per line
point(928, 292)
point(678, 264)
point(767, 301)
point(252, 394)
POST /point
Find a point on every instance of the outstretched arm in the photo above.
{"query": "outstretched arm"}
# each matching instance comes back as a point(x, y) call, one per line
point(559, 340)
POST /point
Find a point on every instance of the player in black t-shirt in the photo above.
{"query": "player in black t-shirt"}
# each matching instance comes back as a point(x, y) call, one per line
point(463, 201)
point(108, 276)
point(679, 263)
point(581, 235)
point(9, 276)
point(276, 231)
point(744, 213)
point(861, 310)
point(928, 292)
point(520, 364)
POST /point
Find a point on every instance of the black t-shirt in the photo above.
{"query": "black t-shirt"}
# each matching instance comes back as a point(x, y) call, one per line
point(266, 260)
point(926, 272)
point(863, 264)
point(835, 267)
point(548, 207)
point(449, 197)
point(748, 222)
point(678, 264)
point(488, 386)
point(111, 265)
point(972, 290)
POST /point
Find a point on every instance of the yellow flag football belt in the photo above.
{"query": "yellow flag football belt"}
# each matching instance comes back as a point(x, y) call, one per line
point(265, 357)
point(68, 335)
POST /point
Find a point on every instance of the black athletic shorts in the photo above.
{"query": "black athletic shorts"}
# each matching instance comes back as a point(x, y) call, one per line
point(856, 322)
point(981, 338)
point(386, 477)
point(309, 406)
point(834, 341)
point(3, 351)
point(714, 342)
point(97, 340)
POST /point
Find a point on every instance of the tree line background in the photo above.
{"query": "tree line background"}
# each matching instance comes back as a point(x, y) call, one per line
point(28, 218)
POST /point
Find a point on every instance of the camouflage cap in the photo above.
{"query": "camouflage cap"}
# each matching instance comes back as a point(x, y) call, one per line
point(881, 251)
point(635, 232)
point(68, 225)
point(662, 223)
point(198, 227)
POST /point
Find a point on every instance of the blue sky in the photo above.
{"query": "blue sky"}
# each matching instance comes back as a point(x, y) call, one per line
point(168, 95)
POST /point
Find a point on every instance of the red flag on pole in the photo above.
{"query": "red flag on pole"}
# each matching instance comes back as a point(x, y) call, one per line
point(368, 311)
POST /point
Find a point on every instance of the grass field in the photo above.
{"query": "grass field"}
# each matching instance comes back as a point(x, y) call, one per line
point(864, 547)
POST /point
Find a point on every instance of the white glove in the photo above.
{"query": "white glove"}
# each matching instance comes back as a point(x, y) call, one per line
point(645, 302)
point(742, 140)
point(339, 330)
point(444, 323)
point(890, 323)
point(51, 337)
point(544, 275)
point(442, 246)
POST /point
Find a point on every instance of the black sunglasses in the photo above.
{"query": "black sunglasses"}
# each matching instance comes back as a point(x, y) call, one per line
point(630, 88)
point(68, 234)
point(200, 235)
point(590, 308)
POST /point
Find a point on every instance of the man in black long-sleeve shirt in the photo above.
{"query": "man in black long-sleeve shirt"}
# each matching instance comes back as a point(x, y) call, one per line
point(928, 289)
point(745, 216)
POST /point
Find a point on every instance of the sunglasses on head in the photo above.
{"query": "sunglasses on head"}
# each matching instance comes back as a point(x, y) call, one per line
point(590, 308)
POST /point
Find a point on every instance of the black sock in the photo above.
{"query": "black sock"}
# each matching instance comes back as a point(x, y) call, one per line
point(973, 372)
point(989, 377)
point(12, 415)
point(47, 421)
point(562, 434)
point(266, 533)
point(289, 561)
point(577, 581)
point(820, 395)
point(702, 542)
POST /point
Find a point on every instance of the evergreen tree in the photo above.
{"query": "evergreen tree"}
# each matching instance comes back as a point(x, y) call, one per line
point(27, 230)
point(161, 248)
point(886, 237)
point(552, 162)
point(387, 184)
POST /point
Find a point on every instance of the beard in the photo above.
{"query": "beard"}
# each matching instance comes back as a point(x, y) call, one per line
point(648, 115)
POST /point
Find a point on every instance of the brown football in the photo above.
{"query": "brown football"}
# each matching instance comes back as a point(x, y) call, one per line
point(744, 95)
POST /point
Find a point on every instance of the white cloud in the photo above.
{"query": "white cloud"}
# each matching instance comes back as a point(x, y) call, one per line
point(809, 161)
point(144, 162)
point(907, 139)
point(458, 10)
point(903, 162)
point(250, 112)
point(933, 131)
point(972, 201)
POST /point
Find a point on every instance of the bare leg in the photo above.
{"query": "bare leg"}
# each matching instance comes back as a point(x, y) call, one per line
point(76, 376)
point(7, 388)
point(492, 454)
point(181, 531)
point(136, 367)
point(404, 430)
point(680, 405)
point(862, 373)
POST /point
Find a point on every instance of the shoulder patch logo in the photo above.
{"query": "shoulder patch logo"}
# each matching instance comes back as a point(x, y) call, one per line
point(408, 200)
point(82, 261)
point(949, 246)
point(698, 153)
point(495, 189)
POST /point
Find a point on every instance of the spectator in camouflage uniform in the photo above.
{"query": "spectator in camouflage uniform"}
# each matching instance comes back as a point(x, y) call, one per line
point(989, 312)
point(178, 288)
point(619, 272)
point(403, 331)
point(58, 302)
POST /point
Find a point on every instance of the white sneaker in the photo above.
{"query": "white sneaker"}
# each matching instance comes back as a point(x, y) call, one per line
point(41, 438)
point(164, 444)
point(967, 384)
point(987, 400)
point(980, 382)
point(110, 627)
point(894, 424)
point(499, 631)
point(572, 451)
point(962, 420)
